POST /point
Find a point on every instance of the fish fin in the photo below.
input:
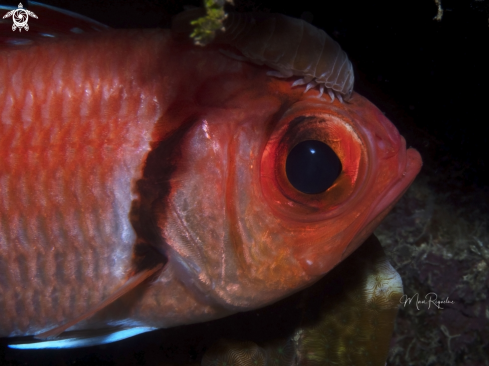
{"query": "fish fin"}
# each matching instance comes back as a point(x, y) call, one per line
point(85, 338)
point(124, 289)
point(51, 22)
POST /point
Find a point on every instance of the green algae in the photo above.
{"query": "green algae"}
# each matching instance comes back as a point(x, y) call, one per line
point(205, 27)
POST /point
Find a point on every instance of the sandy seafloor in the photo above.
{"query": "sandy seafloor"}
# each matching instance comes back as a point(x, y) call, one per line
point(430, 79)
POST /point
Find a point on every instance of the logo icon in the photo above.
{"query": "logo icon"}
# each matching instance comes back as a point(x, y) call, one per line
point(20, 17)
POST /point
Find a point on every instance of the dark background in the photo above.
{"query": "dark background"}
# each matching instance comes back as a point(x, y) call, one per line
point(430, 78)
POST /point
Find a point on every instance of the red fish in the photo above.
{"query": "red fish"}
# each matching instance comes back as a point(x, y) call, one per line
point(144, 183)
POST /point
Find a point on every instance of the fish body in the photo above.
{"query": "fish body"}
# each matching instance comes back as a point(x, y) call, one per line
point(126, 150)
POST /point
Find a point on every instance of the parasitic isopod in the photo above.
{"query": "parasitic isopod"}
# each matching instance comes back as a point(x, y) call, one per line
point(291, 47)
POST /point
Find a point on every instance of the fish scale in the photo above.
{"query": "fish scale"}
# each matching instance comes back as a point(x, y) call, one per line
point(60, 171)
point(130, 155)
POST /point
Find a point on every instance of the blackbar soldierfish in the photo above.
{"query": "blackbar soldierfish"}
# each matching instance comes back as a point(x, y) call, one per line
point(147, 183)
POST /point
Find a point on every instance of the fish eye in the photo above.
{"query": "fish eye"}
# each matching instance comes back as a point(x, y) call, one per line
point(312, 164)
point(312, 167)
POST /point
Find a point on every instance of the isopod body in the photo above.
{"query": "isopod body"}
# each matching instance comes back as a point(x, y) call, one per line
point(291, 47)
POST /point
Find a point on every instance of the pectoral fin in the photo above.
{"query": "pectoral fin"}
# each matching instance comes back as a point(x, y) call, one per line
point(128, 286)
point(85, 338)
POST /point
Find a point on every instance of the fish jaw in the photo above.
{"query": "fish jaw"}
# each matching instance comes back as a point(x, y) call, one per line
point(388, 201)
point(389, 148)
point(247, 238)
point(377, 169)
point(388, 171)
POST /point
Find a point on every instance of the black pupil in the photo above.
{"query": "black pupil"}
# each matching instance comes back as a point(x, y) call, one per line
point(312, 166)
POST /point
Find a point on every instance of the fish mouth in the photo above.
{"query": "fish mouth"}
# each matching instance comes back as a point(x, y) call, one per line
point(385, 203)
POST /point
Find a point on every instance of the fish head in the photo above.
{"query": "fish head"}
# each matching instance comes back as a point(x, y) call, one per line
point(233, 225)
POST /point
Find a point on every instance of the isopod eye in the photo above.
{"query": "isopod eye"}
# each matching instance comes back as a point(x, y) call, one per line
point(312, 167)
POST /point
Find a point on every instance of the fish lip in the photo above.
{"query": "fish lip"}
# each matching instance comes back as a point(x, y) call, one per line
point(386, 202)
